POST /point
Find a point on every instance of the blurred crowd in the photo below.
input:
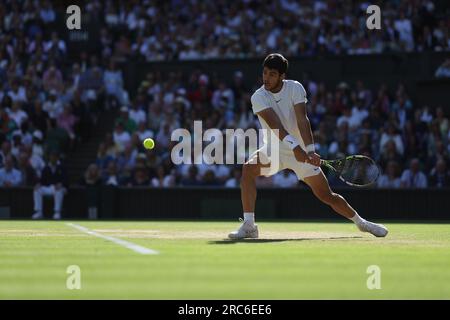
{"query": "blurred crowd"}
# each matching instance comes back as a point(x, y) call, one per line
point(189, 30)
point(410, 143)
point(155, 30)
point(48, 103)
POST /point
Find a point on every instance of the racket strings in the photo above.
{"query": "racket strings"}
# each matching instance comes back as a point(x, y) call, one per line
point(359, 171)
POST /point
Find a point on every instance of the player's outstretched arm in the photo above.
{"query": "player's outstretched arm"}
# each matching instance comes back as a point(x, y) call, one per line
point(304, 127)
point(274, 123)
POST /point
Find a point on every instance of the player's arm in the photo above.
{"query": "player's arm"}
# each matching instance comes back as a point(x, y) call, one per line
point(274, 123)
point(304, 127)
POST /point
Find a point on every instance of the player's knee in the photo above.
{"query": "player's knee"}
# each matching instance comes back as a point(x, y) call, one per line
point(249, 171)
point(327, 197)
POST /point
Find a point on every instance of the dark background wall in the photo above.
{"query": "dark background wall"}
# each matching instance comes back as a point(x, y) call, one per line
point(224, 203)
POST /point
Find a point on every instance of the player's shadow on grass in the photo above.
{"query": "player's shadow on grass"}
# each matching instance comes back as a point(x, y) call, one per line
point(230, 241)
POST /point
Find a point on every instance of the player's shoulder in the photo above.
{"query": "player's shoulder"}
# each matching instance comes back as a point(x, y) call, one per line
point(294, 84)
point(259, 93)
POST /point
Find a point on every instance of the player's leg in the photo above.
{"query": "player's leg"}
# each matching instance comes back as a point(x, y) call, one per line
point(250, 171)
point(321, 189)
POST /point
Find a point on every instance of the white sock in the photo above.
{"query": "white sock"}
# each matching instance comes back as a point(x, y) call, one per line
point(357, 219)
point(249, 217)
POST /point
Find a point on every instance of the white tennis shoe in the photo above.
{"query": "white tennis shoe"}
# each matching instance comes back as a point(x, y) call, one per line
point(246, 230)
point(378, 230)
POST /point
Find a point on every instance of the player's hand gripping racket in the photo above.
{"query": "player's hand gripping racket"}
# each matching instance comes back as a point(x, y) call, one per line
point(356, 170)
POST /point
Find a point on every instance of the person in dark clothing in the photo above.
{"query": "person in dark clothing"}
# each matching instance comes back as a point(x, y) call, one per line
point(53, 182)
point(29, 176)
point(39, 117)
point(439, 176)
point(92, 181)
point(191, 179)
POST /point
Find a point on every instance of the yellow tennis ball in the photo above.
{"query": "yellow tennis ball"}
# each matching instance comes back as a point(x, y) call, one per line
point(149, 143)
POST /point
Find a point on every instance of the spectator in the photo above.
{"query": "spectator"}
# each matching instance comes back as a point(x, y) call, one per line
point(67, 121)
point(129, 124)
point(235, 180)
point(127, 160)
point(17, 114)
point(92, 181)
point(92, 176)
point(113, 81)
point(444, 70)
point(191, 179)
point(442, 121)
point(209, 179)
point(143, 132)
point(37, 152)
point(285, 179)
point(112, 148)
point(55, 47)
point(439, 176)
point(47, 13)
point(103, 158)
point(53, 106)
point(16, 144)
point(53, 182)
point(84, 118)
point(121, 137)
point(110, 177)
point(7, 125)
point(92, 86)
point(163, 180)
point(17, 92)
point(359, 113)
point(413, 177)
point(264, 182)
point(57, 138)
point(392, 135)
point(9, 176)
point(389, 153)
point(5, 152)
point(163, 136)
point(139, 178)
point(137, 115)
point(53, 80)
point(390, 179)
point(39, 117)
point(29, 177)
point(403, 26)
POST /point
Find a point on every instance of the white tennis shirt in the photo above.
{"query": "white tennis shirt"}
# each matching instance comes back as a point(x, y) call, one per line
point(282, 103)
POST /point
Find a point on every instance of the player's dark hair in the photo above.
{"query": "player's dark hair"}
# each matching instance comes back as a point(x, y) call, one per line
point(276, 61)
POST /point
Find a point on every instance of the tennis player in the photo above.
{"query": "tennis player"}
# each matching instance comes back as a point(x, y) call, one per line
point(280, 105)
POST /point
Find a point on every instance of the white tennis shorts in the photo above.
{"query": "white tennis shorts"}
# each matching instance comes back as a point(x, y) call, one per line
point(286, 160)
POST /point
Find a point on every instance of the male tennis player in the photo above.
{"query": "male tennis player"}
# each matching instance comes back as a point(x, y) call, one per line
point(281, 107)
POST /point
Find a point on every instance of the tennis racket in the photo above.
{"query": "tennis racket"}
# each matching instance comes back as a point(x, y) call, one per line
point(355, 170)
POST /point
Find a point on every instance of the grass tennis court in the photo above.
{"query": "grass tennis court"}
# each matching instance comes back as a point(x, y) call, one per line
point(291, 260)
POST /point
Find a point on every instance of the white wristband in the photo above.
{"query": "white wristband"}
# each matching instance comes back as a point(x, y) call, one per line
point(310, 148)
point(291, 142)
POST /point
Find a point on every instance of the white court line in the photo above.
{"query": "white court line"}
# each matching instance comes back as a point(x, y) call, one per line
point(129, 245)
